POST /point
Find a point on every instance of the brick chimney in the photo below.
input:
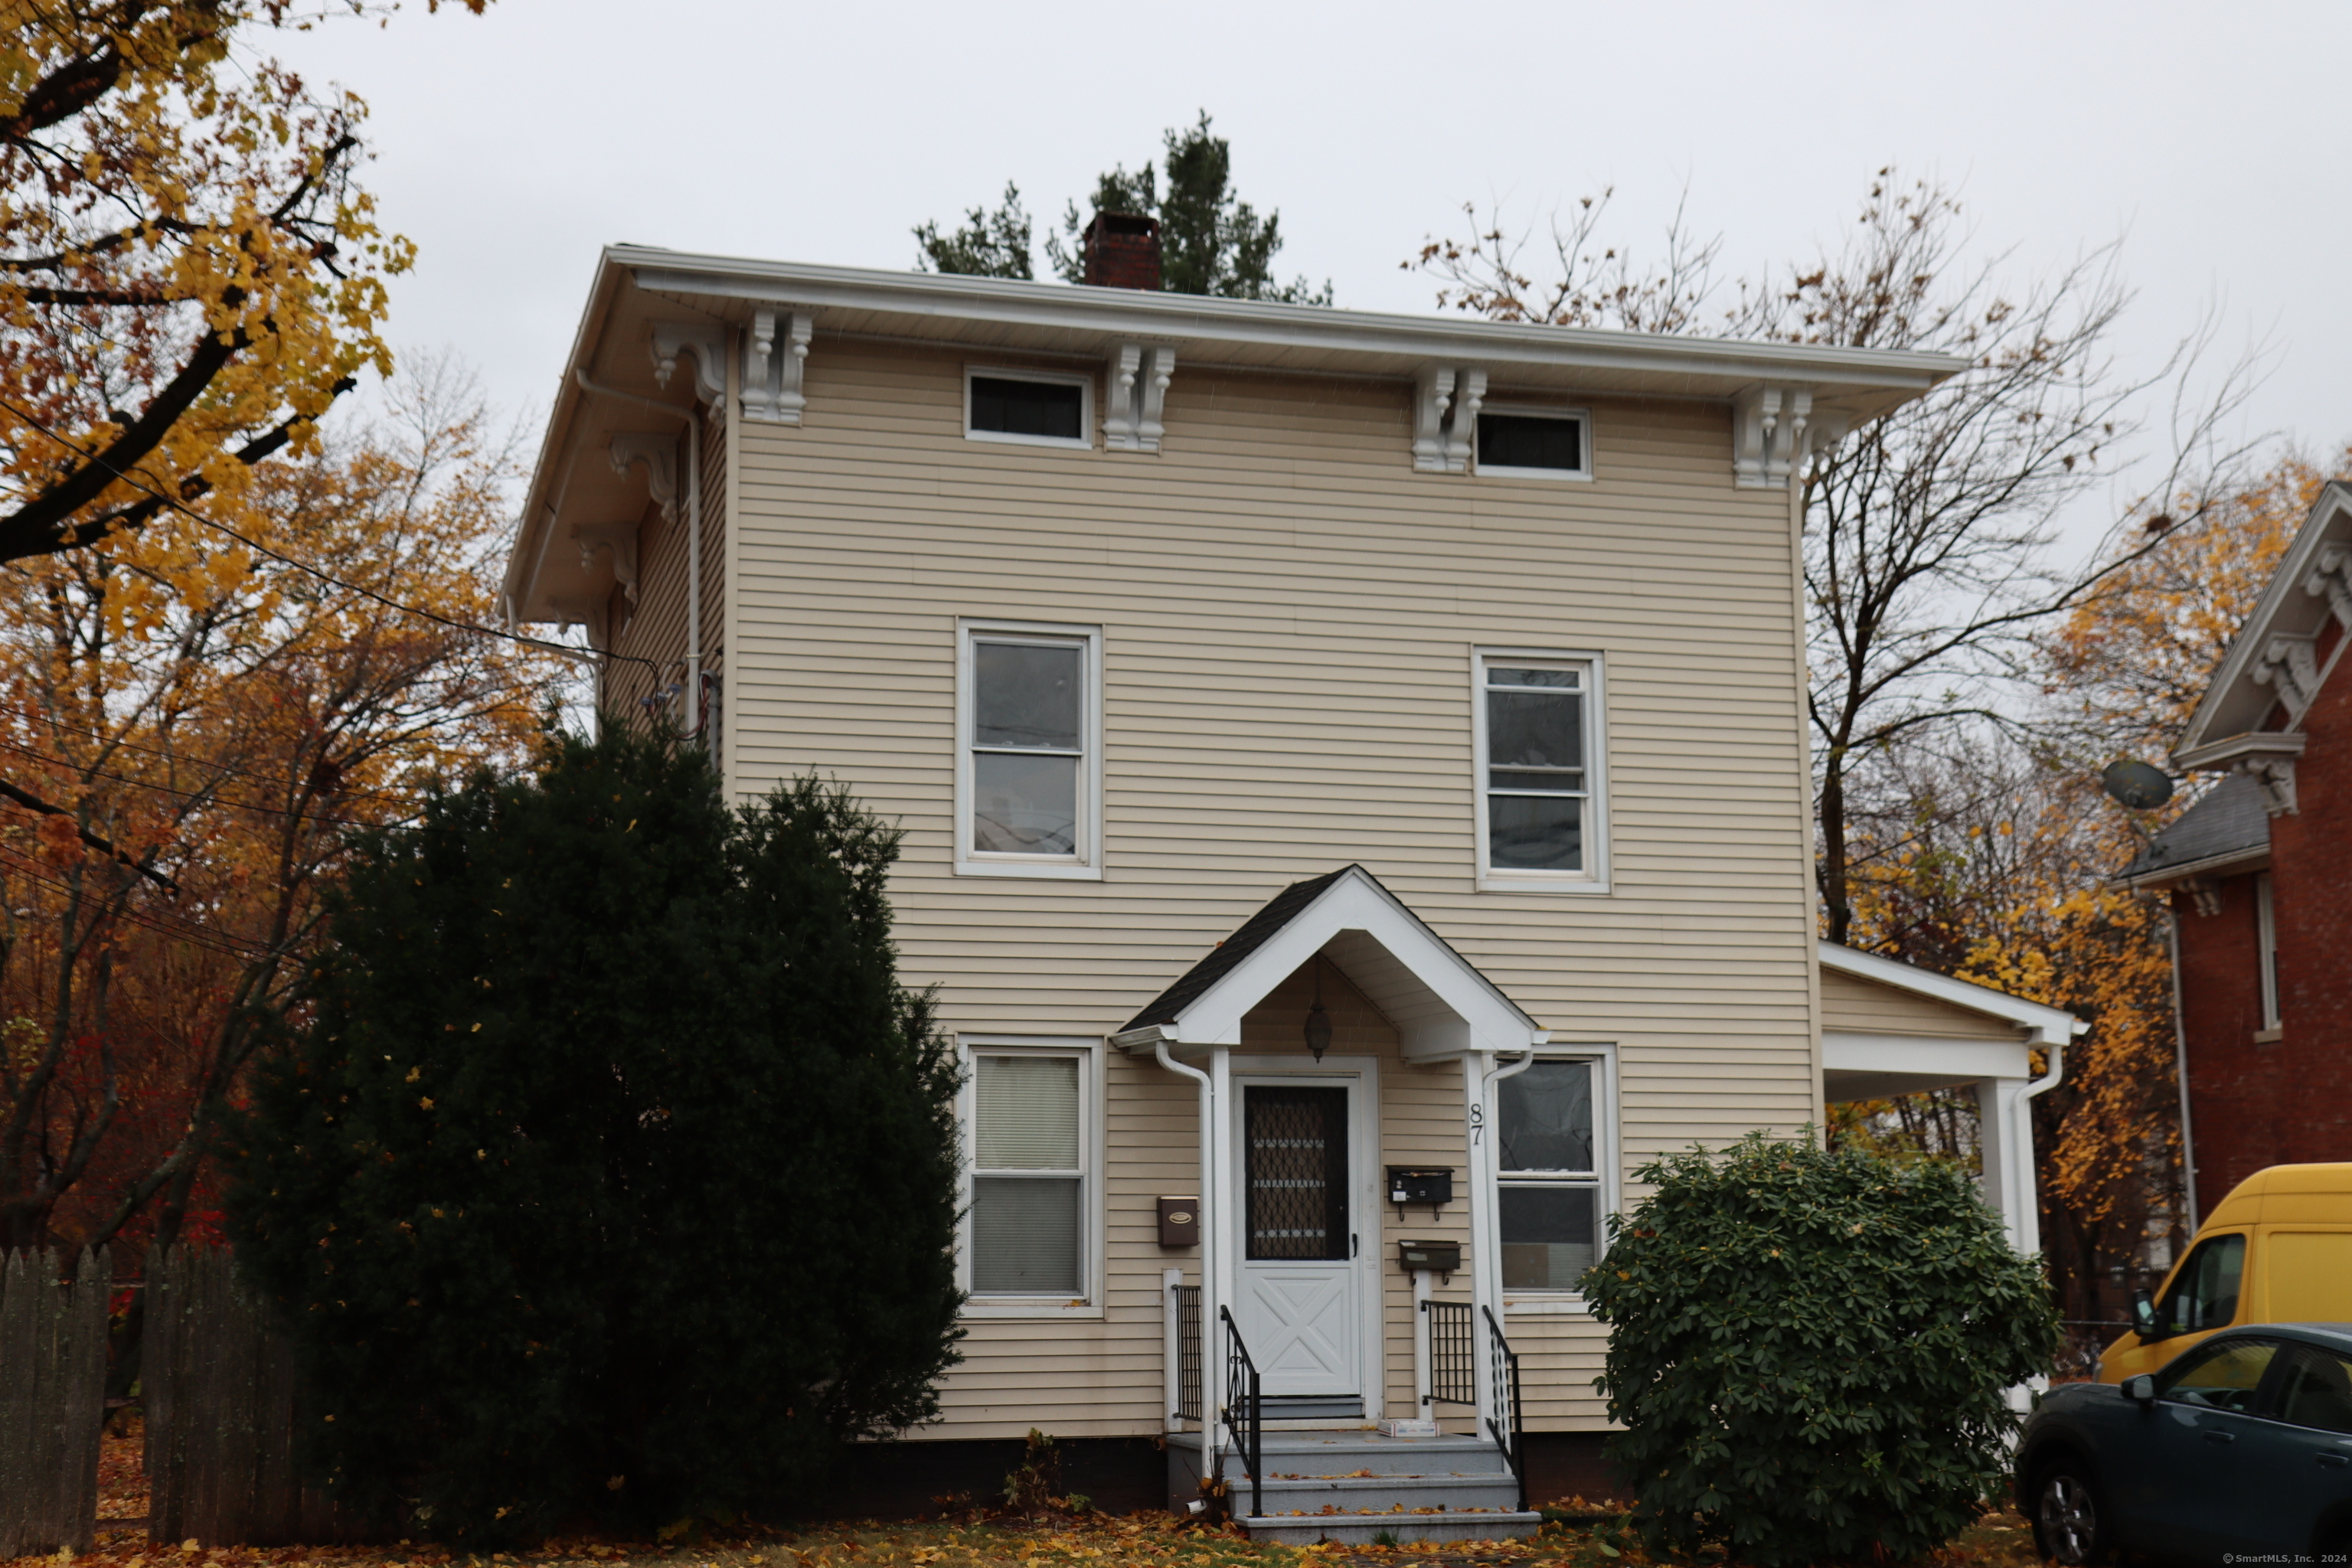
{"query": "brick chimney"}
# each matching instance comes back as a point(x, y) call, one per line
point(1122, 251)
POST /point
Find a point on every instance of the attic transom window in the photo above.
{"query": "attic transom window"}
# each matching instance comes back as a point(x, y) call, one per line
point(1539, 444)
point(1038, 408)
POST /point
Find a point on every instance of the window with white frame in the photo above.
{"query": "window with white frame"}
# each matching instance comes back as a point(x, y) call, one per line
point(1540, 786)
point(2266, 933)
point(1030, 407)
point(1535, 443)
point(1028, 770)
point(1548, 1172)
point(1026, 1231)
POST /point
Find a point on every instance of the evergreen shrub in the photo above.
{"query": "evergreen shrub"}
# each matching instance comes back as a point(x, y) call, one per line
point(609, 1174)
point(1809, 1352)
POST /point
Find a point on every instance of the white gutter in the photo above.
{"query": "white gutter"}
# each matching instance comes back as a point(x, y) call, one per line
point(2180, 1074)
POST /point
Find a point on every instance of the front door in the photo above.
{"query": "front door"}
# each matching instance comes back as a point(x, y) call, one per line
point(1299, 1309)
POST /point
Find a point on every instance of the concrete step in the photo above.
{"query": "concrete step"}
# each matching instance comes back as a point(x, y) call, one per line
point(1363, 1529)
point(1280, 1494)
point(1338, 1452)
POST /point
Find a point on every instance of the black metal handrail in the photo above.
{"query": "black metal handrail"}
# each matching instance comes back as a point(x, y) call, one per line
point(1509, 1431)
point(1452, 1354)
point(1242, 1405)
point(1188, 1351)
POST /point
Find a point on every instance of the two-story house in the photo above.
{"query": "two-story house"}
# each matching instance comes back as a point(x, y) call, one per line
point(1356, 792)
point(2263, 947)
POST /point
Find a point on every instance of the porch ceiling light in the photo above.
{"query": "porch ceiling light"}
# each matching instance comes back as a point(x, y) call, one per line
point(1319, 1022)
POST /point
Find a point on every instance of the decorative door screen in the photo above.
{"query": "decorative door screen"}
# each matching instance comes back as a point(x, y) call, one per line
point(1295, 1143)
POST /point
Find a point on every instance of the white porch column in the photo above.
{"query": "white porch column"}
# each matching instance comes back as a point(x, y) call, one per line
point(1220, 1199)
point(1421, 1300)
point(1486, 1245)
point(2005, 1136)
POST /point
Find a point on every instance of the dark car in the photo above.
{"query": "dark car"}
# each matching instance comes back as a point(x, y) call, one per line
point(2240, 1446)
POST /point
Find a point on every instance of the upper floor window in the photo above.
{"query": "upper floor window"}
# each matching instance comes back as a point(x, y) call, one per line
point(2266, 933)
point(1041, 408)
point(1029, 753)
point(1539, 792)
point(1535, 444)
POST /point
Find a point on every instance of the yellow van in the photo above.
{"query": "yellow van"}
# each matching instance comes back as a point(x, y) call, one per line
point(2278, 1249)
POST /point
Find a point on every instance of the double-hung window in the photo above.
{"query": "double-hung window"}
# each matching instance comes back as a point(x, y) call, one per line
point(1027, 1231)
point(1540, 820)
point(1028, 768)
point(1550, 1120)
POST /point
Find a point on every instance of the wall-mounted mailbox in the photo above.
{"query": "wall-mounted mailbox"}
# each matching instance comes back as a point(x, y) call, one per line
point(1433, 1257)
point(1180, 1222)
point(1419, 1184)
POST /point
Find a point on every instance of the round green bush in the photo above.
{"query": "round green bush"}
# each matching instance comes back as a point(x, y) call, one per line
point(609, 1175)
point(1809, 1352)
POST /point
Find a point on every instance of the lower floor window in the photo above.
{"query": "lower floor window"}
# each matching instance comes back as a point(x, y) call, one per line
point(1028, 1181)
point(1549, 1173)
point(1548, 1235)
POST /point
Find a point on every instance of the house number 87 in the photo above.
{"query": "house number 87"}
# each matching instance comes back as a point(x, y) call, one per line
point(1477, 1124)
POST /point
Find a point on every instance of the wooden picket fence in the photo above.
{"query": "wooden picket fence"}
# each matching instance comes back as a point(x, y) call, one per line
point(218, 1386)
point(52, 1400)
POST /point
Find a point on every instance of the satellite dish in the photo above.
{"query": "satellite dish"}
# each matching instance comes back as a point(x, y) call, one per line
point(2137, 784)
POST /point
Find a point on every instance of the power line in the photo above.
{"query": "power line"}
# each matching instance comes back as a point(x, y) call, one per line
point(105, 739)
point(199, 795)
point(174, 504)
point(217, 943)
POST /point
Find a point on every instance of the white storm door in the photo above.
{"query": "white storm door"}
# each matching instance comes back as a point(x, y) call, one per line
point(1298, 1306)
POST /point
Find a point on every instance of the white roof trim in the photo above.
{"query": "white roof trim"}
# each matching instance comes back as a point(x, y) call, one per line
point(2045, 1026)
point(1020, 302)
point(1442, 1007)
point(2204, 743)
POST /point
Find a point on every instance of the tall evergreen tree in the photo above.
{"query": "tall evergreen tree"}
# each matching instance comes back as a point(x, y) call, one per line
point(1211, 241)
point(989, 245)
point(611, 1170)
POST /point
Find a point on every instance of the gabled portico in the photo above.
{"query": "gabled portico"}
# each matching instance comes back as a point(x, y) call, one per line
point(1293, 1144)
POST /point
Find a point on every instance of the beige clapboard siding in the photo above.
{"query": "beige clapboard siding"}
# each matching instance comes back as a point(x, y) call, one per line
point(1288, 612)
point(1852, 1004)
point(654, 628)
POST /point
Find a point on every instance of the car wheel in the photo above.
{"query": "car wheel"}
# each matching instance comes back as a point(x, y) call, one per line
point(2069, 1518)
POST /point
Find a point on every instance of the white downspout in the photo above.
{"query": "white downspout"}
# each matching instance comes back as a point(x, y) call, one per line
point(1486, 1230)
point(1208, 1211)
point(2180, 1077)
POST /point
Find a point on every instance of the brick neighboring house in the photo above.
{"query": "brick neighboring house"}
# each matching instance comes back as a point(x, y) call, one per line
point(2255, 872)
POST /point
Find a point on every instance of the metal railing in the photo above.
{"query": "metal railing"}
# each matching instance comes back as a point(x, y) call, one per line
point(1452, 1354)
point(1188, 1351)
point(1503, 1422)
point(1241, 1404)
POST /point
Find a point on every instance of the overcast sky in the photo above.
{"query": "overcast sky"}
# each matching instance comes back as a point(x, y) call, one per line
point(2213, 143)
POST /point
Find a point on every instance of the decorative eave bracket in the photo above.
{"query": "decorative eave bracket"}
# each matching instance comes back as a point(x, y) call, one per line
point(775, 358)
point(1774, 430)
point(621, 539)
point(706, 340)
point(2289, 665)
point(658, 451)
point(1135, 394)
point(1445, 402)
point(589, 613)
point(2330, 577)
point(2265, 756)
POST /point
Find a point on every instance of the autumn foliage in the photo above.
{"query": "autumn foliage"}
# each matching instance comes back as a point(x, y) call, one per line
point(180, 760)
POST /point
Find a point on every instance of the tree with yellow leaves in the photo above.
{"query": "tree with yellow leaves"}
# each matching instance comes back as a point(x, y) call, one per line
point(190, 274)
point(183, 760)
